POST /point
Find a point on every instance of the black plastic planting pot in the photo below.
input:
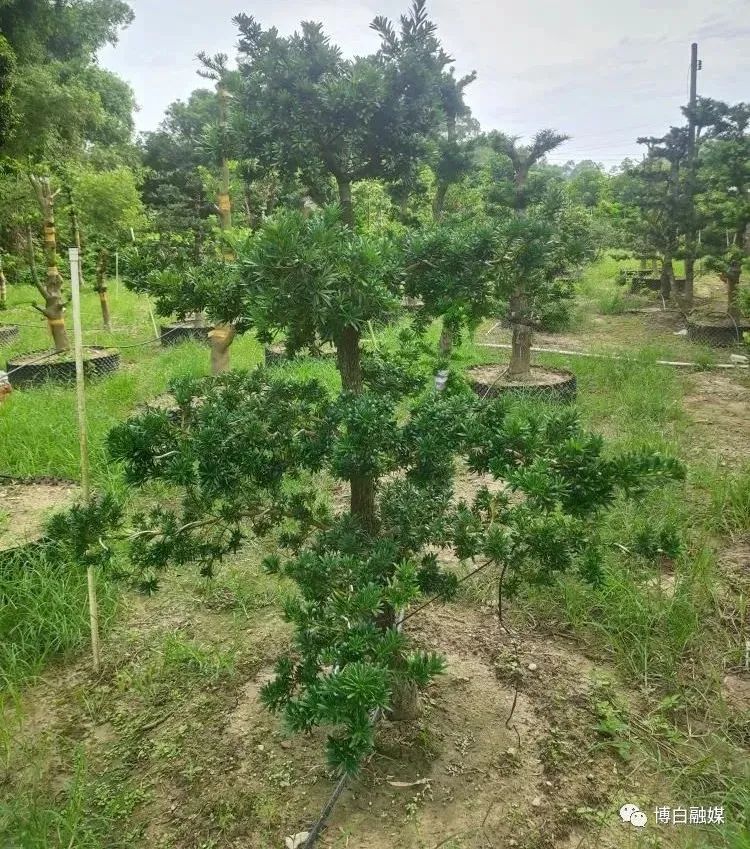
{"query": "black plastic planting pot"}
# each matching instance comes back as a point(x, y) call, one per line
point(640, 283)
point(560, 388)
point(184, 331)
point(35, 368)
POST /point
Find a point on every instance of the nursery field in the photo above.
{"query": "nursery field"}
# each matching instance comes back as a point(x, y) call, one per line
point(584, 698)
point(373, 475)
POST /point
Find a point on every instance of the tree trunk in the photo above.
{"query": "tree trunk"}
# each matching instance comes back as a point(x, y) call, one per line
point(734, 272)
point(405, 702)
point(75, 230)
point(224, 206)
point(54, 307)
point(219, 340)
point(688, 291)
point(31, 257)
point(667, 277)
point(345, 201)
point(222, 336)
point(733, 288)
point(224, 203)
point(520, 357)
point(101, 288)
point(445, 346)
point(438, 202)
point(349, 366)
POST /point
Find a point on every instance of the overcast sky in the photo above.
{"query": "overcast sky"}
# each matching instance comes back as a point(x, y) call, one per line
point(603, 71)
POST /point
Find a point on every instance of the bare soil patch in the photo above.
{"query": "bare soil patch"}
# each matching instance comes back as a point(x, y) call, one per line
point(24, 507)
point(719, 406)
point(496, 375)
point(207, 764)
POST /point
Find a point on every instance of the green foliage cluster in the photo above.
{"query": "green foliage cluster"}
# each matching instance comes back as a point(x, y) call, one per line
point(244, 452)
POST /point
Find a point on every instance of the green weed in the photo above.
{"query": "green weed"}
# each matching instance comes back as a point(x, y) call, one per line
point(43, 611)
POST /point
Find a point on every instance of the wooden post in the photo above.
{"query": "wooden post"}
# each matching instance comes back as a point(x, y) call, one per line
point(690, 229)
point(75, 286)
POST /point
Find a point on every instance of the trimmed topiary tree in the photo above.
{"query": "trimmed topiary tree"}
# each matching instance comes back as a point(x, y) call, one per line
point(245, 451)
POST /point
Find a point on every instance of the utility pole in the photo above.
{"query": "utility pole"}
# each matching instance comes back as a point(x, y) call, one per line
point(690, 229)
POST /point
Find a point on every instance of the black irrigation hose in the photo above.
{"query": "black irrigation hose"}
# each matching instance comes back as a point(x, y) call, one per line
point(139, 344)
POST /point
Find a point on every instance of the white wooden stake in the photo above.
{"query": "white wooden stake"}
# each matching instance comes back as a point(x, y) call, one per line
point(75, 286)
point(157, 335)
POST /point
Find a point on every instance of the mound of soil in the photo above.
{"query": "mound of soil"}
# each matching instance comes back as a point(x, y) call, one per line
point(491, 381)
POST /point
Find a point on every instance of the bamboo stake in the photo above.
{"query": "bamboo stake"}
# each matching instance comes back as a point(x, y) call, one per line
point(157, 335)
point(75, 285)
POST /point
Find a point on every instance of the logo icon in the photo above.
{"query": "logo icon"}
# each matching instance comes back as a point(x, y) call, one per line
point(634, 815)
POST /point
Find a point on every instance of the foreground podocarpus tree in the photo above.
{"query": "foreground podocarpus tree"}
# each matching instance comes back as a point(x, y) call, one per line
point(245, 452)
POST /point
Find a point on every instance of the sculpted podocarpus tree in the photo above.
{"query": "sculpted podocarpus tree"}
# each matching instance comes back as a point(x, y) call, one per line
point(657, 203)
point(245, 452)
point(724, 183)
point(306, 108)
point(541, 264)
point(449, 268)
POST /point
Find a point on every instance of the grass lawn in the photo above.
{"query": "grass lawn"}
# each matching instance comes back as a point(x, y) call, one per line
point(38, 426)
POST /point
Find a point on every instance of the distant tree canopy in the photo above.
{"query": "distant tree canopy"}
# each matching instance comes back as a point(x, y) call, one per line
point(173, 156)
point(60, 97)
point(308, 110)
point(7, 79)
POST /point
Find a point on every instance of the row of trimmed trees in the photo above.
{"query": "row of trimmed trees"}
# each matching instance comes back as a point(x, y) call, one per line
point(325, 126)
point(662, 200)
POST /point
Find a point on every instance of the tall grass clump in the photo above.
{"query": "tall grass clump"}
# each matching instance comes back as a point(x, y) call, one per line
point(43, 610)
point(729, 511)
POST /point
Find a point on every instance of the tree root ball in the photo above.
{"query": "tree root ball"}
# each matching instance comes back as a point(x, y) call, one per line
point(718, 331)
point(35, 368)
point(9, 334)
point(185, 331)
point(275, 354)
point(547, 384)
